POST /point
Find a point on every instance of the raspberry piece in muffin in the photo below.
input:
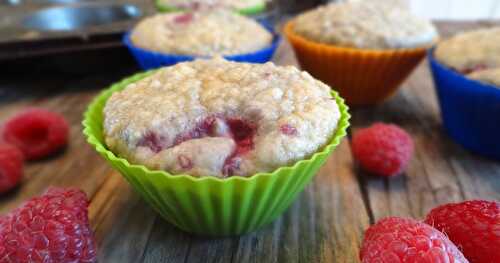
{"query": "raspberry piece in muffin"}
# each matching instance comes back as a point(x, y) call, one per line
point(196, 4)
point(184, 18)
point(288, 129)
point(488, 76)
point(153, 141)
point(474, 68)
point(220, 118)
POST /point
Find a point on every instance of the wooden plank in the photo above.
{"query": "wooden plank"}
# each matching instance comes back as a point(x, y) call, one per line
point(324, 225)
point(166, 244)
point(121, 220)
point(79, 162)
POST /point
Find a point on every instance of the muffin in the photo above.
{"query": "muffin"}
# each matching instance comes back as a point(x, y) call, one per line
point(243, 6)
point(217, 32)
point(466, 72)
point(296, 120)
point(219, 118)
point(471, 51)
point(488, 76)
point(180, 36)
point(335, 45)
point(379, 28)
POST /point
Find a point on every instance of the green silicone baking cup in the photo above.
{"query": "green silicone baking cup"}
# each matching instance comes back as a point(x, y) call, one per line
point(209, 205)
point(251, 10)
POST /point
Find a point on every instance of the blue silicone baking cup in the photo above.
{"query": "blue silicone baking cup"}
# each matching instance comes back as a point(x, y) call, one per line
point(470, 109)
point(151, 59)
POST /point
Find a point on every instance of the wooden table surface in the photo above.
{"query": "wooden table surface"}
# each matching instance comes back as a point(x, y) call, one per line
point(326, 222)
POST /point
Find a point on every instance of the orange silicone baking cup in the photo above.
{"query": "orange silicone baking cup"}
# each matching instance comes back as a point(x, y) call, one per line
point(361, 76)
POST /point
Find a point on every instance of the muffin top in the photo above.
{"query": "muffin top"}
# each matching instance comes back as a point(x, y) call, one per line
point(220, 118)
point(471, 51)
point(362, 24)
point(194, 4)
point(489, 76)
point(208, 33)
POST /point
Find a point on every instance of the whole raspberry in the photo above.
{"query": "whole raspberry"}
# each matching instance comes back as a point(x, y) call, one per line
point(51, 228)
point(395, 239)
point(11, 167)
point(382, 149)
point(474, 226)
point(37, 132)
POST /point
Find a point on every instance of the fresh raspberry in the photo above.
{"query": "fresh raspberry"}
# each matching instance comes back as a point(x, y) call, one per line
point(153, 141)
point(11, 167)
point(51, 228)
point(474, 226)
point(395, 239)
point(37, 132)
point(383, 149)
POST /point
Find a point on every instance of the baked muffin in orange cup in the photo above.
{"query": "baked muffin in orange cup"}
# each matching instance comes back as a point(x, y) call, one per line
point(361, 49)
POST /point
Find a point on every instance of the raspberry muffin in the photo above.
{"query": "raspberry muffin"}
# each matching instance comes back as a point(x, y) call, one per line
point(339, 42)
point(379, 28)
point(466, 72)
point(210, 33)
point(220, 118)
point(488, 76)
point(471, 51)
point(196, 4)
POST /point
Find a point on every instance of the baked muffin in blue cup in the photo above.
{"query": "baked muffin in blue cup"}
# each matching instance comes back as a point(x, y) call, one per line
point(167, 39)
point(466, 86)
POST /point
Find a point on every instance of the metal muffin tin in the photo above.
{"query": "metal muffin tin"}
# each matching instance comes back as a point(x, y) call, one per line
point(42, 27)
point(9, 2)
point(70, 18)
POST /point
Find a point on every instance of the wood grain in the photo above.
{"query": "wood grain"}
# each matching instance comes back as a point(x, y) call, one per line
point(326, 222)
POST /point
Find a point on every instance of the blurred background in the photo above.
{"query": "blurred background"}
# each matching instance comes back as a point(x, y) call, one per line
point(35, 29)
point(433, 9)
point(456, 9)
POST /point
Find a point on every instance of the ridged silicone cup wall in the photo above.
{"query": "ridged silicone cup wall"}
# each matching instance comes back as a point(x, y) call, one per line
point(208, 205)
point(469, 109)
point(148, 59)
point(362, 76)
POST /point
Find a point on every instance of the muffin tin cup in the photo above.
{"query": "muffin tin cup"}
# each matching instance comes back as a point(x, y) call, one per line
point(469, 109)
point(209, 205)
point(251, 10)
point(362, 77)
point(150, 59)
